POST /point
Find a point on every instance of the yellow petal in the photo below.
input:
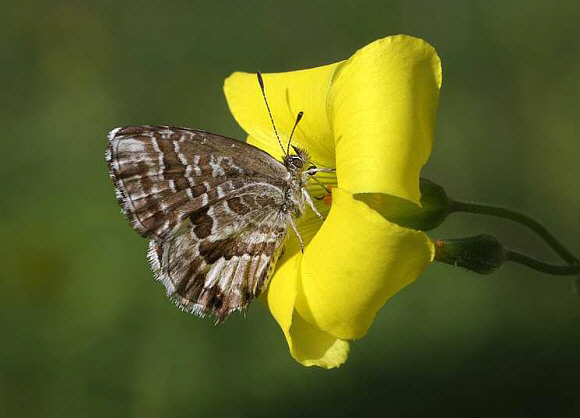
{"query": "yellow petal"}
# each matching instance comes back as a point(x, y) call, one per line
point(356, 261)
point(287, 93)
point(280, 296)
point(382, 107)
point(271, 146)
point(313, 347)
point(307, 344)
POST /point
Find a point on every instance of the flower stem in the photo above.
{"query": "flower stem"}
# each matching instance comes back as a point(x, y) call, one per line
point(534, 225)
point(540, 266)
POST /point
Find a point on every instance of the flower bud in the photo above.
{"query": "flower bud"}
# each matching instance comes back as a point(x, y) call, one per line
point(482, 254)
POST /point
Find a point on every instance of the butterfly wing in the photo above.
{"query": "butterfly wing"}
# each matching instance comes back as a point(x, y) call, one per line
point(227, 269)
point(211, 207)
point(163, 174)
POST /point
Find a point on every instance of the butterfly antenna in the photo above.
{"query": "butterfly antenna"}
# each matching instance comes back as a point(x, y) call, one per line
point(261, 82)
point(293, 129)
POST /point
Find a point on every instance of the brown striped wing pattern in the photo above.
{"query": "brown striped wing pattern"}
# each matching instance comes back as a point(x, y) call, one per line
point(211, 207)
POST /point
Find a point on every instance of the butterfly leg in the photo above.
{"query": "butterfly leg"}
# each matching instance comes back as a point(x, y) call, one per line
point(311, 203)
point(293, 225)
point(321, 184)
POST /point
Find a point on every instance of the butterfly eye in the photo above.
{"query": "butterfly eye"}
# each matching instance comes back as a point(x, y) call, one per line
point(312, 167)
point(297, 162)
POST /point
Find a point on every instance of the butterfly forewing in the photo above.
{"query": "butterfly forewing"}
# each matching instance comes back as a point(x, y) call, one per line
point(162, 174)
point(211, 206)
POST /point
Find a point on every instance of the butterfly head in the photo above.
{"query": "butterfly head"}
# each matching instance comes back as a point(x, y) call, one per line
point(297, 162)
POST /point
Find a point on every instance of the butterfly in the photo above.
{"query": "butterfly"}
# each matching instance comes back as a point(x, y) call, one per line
point(216, 210)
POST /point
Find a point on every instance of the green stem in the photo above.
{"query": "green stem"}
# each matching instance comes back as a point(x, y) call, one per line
point(522, 219)
point(537, 265)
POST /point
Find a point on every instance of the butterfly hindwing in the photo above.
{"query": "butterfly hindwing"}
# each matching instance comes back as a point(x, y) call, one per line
point(227, 269)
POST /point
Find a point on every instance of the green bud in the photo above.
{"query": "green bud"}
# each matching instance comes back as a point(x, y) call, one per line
point(482, 254)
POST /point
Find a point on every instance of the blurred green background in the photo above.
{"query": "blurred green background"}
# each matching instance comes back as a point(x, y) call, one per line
point(87, 332)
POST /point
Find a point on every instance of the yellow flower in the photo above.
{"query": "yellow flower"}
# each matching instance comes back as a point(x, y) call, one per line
point(371, 117)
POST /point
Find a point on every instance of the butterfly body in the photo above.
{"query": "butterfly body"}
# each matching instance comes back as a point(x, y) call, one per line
point(216, 210)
